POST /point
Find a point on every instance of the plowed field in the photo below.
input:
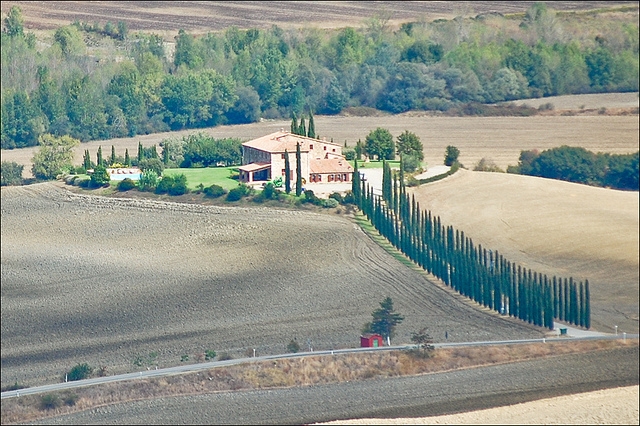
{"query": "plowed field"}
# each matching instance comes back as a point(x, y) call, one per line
point(101, 280)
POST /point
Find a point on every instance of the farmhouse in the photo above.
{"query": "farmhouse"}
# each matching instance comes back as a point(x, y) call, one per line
point(263, 159)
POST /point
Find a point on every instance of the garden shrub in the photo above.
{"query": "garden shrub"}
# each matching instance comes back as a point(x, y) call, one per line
point(214, 191)
point(172, 185)
point(82, 181)
point(237, 193)
point(337, 196)
point(126, 185)
point(310, 197)
point(148, 181)
point(293, 347)
point(100, 177)
point(330, 203)
point(70, 399)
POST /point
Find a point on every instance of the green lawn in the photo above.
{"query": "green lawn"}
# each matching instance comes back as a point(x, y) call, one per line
point(206, 176)
point(376, 164)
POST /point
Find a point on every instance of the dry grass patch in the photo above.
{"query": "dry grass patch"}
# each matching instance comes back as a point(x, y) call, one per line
point(297, 372)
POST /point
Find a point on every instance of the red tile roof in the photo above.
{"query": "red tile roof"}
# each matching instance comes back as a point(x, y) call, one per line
point(279, 141)
point(332, 165)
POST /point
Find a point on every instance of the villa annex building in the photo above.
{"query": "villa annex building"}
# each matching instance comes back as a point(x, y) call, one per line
point(263, 159)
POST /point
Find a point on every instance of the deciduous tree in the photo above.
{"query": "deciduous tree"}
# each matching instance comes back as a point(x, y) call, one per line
point(54, 156)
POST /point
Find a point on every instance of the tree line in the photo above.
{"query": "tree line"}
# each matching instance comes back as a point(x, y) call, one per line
point(576, 164)
point(238, 76)
point(482, 275)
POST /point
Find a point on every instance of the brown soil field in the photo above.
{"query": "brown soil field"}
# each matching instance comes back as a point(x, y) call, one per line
point(102, 280)
point(201, 17)
point(553, 227)
point(500, 139)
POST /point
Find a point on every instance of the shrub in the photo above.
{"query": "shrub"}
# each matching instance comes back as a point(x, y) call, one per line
point(224, 357)
point(237, 193)
point(330, 203)
point(209, 355)
point(337, 196)
point(172, 185)
point(100, 177)
point(214, 191)
point(148, 181)
point(410, 163)
point(349, 154)
point(126, 185)
point(79, 372)
point(310, 197)
point(293, 347)
point(82, 182)
point(451, 155)
point(487, 165)
point(11, 173)
point(546, 107)
point(184, 358)
point(348, 198)
point(49, 401)
point(154, 164)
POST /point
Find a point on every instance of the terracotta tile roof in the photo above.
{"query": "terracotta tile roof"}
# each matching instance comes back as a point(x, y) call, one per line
point(332, 165)
point(279, 141)
point(254, 167)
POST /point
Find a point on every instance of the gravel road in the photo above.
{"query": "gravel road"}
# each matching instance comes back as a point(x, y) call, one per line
point(103, 280)
point(426, 395)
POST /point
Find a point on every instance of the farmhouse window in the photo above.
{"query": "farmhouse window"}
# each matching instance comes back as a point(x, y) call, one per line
point(325, 148)
point(284, 172)
point(334, 150)
point(311, 146)
point(282, 156)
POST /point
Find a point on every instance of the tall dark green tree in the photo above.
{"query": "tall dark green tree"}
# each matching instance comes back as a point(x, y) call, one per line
point(99, 160)
point(385, 320)
point(127, 159)
point(112, 159)
point(165, 154)
point(86, 160)
point(355, 183)
point(140, 152)
point(294, 123)
point(302, 130)
point(409, 144)
point(287, 172)
point(298, 171)
point(312, 126)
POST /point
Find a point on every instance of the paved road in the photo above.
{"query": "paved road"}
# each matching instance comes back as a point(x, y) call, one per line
point(216, 364)
point(415, 396)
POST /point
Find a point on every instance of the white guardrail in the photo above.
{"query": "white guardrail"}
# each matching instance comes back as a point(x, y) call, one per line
point(216, 364)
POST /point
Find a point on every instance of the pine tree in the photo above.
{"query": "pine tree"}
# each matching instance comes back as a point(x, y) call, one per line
point(302, 130)
point(99, 159)
point(112, 160)
point(312, 127)
point(127, 160)
point(287, 172)
point(298, 171)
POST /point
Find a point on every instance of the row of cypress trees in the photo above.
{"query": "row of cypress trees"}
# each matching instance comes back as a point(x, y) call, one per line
point(482, 275)
point(301, 129)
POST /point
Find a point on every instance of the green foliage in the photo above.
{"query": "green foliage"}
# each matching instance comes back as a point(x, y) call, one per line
point(293, 347)
point(330, 203)
point(14, 22)
point(385, 319)
point(410, 163)
point(126, 185)
point(151, 164)
point(424, 342)
point(224, 356)
point(237, 193)
point(209, 355)
point(54, 156)
point(172, 185)
point(100, 177)
point(487, 165)
point(298, 171)
point(379, 142)
point(184, 358)
point(451, 155)
point(79, 372)
point(310, 197)
point(49, 401)
point(148, 181)
point(201, 150)
point(214, 191)
point(70, 399)
point(11, 173)
point(409, 144)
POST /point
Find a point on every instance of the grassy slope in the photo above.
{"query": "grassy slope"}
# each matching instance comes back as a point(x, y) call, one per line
point(207, 176)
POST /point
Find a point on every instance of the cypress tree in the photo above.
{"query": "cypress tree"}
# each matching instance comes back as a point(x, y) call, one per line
point(567, 312)
point(86, 162)
point(140, 152)
point(312, 127)
point(302, 130)
point(99, 159)
point(165, 154)
point(127, 159)
point(154, 152)
point(298, 170)
point(587, 305)
point(581, 304)
point(294, 123)
point(355, 184)
point(112, 160)
point(287, 173)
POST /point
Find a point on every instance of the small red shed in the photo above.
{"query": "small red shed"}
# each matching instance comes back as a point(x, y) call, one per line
point(371, 340)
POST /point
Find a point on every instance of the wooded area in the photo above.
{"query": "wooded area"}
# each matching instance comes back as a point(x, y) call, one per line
point(66, 85)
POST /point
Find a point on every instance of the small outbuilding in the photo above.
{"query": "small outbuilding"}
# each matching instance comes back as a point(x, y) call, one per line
point(371, 340)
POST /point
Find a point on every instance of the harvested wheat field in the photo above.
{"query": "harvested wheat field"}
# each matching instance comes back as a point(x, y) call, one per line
point(499, 139)
point(103, 280)
point(202, 17)
point(554, 227)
